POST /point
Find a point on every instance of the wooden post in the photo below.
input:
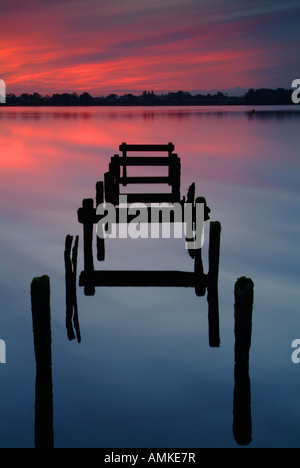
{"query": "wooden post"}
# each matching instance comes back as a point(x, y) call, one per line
point(212, 284)
point(108, 186)
point(71, 296)
point(114, 170)
point(214, 251)
point(88, 205)
point(213, 315)
point(88, 213)
point(191, 201)
point(175, 176)
point(124, 154)
point(41, 320)
point(74, 284)
point(171, 148)
point(191, 194)
point(242, 423)
point(100, 242)
point(69, 287)
point(200, 278)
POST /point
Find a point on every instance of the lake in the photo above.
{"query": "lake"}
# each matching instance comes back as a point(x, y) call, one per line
point(144, 374)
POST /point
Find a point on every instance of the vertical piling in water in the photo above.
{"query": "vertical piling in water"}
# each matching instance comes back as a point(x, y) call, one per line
point(214, 250)
point(72, 318)
point(242, 422)
point(74, 285)
point(212, 284)
point(41, 320)
point(200, 281)
point(69, 287)
point(100, 242)
point(86, 216)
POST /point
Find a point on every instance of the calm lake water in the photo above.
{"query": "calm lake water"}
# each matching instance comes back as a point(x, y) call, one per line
point(144, 374)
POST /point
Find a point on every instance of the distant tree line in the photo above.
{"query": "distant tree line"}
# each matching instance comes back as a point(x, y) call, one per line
point(149, 98)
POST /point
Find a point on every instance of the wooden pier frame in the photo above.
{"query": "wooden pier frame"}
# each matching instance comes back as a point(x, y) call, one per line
point(109, 191)
point(113, 179)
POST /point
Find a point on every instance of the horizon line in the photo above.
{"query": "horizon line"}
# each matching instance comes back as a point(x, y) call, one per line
point(155, 92)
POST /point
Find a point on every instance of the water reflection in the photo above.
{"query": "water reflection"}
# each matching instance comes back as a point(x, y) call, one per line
point(242, 419)
point(249, 170)
point(148, 114)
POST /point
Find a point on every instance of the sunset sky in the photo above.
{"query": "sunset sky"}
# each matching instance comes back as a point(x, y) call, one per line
point(119, 46)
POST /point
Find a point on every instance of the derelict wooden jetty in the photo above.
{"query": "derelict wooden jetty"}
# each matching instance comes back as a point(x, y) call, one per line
point(109, 191)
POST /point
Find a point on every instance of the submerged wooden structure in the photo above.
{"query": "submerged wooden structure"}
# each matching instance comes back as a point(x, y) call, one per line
point(109, 191)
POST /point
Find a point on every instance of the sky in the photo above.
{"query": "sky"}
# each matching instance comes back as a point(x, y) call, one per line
point(123, 46)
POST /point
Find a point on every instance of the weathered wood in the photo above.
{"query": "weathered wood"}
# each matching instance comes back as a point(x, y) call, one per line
point(100, 242)
point(191, 202)
point(74, 284)
point(191, 194)
point(114, 170)
point(206, 208)
point(72, 318)
point(243, 309)
point(41, 320)
point(145, 161)
point(200, 277)
point(109, 188)
point(214, 251)
point(99, 193)
point(176, 178)
point(113, 178)
point(69, 287)
point(124, 147)
point(144, 180)
point(88, 229)
point(213, 315)
point(139, 279)
point(124, 154)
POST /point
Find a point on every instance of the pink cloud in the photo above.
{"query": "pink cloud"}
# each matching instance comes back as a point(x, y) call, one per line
point(65, 47)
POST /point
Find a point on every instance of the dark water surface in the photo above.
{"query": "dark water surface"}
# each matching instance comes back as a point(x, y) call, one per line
point(144, 374)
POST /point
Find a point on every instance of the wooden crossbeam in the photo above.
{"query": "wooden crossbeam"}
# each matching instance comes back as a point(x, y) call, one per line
point(138, 279)
point(145, 180)
point(144, 161)
point(125, 147)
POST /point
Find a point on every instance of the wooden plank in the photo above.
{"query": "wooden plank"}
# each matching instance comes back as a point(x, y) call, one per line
point(138, 279)
point(145, 161)
point(125, 147)
point(145, 180)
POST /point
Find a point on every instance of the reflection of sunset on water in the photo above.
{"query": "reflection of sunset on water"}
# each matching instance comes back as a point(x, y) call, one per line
point(151, 344)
